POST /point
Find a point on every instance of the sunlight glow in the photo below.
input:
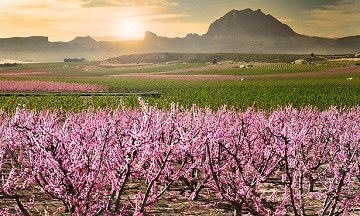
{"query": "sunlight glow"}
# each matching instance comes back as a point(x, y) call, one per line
point(131, 29)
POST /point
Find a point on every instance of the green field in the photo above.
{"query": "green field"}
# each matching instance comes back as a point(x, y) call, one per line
point(260, 92)
point(90, 69)
point(261, 70)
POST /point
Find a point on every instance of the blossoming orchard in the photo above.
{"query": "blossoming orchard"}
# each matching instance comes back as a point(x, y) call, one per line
point(282, 162)
point(47, 86)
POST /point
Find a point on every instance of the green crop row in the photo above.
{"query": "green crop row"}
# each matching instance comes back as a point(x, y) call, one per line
point(262, 93)
point(260, 69)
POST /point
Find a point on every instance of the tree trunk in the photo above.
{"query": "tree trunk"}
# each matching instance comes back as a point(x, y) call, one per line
point(311, 184)
point(237, 210)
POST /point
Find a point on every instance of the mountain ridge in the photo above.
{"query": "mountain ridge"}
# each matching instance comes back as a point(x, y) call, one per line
point(238, 31)
point(249, 22)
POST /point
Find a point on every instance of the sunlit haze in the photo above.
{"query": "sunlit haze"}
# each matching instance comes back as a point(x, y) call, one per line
point(131, 29)
point(63, 20)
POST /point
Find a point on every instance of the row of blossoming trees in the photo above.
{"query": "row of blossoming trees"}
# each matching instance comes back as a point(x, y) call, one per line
point(48, 86)
point(287, 161)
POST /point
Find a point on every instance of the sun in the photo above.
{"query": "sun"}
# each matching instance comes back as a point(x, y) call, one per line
point(131, 29)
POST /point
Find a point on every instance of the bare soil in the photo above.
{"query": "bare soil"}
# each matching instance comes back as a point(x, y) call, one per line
point(207, 203)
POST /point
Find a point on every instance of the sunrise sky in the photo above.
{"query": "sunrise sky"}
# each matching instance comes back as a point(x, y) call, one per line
point(63, 20)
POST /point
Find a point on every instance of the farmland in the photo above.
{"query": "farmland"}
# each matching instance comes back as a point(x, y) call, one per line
point(262, 69)
point(266, 85)
point(287, 140)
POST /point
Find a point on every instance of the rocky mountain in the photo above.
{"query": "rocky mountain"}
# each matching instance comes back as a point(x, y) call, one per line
point(250, 23)
point(244, 31)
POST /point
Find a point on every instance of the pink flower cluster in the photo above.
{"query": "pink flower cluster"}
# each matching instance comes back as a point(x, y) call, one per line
point(47, 86)
point(287, 161)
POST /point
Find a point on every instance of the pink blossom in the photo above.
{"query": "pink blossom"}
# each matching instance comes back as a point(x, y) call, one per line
point(262, 162)
point(48, 86)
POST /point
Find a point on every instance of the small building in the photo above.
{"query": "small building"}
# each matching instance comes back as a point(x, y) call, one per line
point(357, 55)
point(244, 66)
point(300, 61)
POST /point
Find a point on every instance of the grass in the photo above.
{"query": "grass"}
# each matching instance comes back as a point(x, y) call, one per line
point(263, 93)
point(99, 72)
point(90, 69)
point(51, 65)
point(260, 70)
point(267, 94)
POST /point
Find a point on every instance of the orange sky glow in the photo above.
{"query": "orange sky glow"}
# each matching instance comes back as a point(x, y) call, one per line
point(63, 20)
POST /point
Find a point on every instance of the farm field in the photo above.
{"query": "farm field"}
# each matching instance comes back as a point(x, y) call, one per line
point(260, 69)
point(86, 69)
point(283, 115)
point(265, 86)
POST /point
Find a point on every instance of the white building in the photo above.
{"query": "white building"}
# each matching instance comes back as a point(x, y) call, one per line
point(300, 61)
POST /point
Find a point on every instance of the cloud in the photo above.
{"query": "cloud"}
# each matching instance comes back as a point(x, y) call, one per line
point(127, 3)
point(340, 19)
point(66, 19)
point(285, 20)
point(302, 5)
point(164, 18)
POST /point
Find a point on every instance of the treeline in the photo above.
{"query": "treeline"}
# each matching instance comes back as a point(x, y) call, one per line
point(209, 57)
point(10, 65)
point(74, 60)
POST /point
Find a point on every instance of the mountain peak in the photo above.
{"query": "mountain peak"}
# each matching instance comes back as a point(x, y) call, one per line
point(86, 42)
point(248, 22)
point(150, 35)
point(83, 39)
point(247, 10)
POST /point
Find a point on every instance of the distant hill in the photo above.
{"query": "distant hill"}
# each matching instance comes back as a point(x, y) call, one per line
point(207, 58)
point(85, 42)
point(108, 38)
point(238, 31)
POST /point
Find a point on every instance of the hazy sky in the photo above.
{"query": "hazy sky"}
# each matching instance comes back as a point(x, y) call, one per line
point(65, 19)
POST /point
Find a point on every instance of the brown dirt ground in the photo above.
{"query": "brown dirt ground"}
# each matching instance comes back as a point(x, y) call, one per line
point(176, 205)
